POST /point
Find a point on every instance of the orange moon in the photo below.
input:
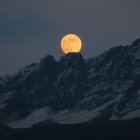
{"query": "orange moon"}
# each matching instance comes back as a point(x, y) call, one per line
point(71, 43)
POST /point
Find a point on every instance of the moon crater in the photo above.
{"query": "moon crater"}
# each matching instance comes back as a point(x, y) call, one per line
point(71, 43)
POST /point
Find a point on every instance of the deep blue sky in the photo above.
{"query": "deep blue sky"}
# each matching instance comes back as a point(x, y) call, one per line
point(31, 29)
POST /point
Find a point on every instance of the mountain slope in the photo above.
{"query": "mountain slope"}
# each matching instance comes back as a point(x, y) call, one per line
point(74, 90)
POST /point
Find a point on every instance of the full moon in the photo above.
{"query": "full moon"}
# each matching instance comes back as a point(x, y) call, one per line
point(71, 43)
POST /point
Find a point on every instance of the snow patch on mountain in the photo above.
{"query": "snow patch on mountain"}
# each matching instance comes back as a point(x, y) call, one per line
point(3, 99)
point(36, 116)
point(67, 117)
point(133, 114)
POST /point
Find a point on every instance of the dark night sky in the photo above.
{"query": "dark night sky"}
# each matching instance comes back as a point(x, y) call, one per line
point(31, 29)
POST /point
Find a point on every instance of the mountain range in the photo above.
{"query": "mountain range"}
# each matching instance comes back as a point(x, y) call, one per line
point(74, 90)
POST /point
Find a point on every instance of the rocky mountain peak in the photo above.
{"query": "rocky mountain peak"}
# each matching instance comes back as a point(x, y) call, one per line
point(136, 42)
point(72, 60)
point(48, 60)
point(76, 58)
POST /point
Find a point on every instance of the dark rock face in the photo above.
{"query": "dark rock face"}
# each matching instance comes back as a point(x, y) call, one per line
point(109, 82)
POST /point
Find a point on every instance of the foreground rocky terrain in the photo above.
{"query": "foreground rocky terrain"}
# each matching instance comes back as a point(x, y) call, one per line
point(101, 130)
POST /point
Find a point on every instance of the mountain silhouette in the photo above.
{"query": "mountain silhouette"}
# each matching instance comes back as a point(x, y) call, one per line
point(74, 90)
